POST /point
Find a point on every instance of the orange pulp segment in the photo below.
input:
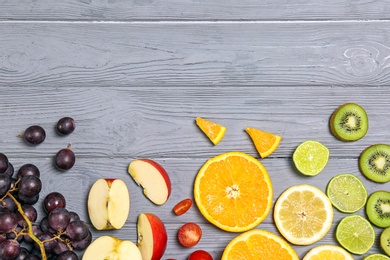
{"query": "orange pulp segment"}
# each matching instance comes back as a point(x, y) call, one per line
point(265, 142)
point(213, 131)
point(233, 191)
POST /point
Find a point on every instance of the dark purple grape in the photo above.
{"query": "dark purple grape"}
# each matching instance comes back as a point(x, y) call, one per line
point(73, 216)
point(77, 230)
point(23, 254)
point(3, 163)
point(59, 219)
point(34, 134)
point(28, 169)
point(29, 186)
point(8, 221)
point(54, 200)
point(9, 249)
point(5, 184)
point(32, 257)
point(60, 248)
point(67, 255)
point(12, 235)
point(82, 244)
point(10, 170)
point(65, 125)
point(65, 159)
point(48, 244)
point(30, 212)
point(28, 200)
point(9, 204)
point(45, 226)
point(37, 231)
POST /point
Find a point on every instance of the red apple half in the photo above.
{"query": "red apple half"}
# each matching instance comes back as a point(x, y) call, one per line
point(152, 236)
point(109, 247)
point(152, 177)
point(108, 204)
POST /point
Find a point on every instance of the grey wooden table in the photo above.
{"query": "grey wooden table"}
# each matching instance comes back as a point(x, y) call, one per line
point(135, 74)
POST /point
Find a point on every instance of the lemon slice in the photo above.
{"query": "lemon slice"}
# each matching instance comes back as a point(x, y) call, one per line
point(328, 252)
point(310, 157)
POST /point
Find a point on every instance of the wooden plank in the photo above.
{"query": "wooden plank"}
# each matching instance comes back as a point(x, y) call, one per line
point(193, 10)
point(192, 54)
point(160, 123)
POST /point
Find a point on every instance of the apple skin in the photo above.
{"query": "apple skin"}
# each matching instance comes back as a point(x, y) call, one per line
point(110, 247)
point(108, 204)
point(153, 178)
point(152, 236)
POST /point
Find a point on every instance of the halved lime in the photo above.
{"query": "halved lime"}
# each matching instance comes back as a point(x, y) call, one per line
point(376, 257)
point(355, 234)
point(310, 157)
point(347, 193)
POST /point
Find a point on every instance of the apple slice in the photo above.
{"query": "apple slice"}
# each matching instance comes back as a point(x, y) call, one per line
point(152, 177)
point(108, 204)
point(152, 236)
point(109, 247)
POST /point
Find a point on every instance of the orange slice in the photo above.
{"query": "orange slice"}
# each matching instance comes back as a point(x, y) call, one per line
point(213, 131)
point(259, 244)
point(265, 143)
point(233, 191)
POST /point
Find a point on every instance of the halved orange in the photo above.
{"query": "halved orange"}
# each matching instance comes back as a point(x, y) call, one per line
point(265, 142)
point(213, 131)
point(233, 191)
point(259, 244)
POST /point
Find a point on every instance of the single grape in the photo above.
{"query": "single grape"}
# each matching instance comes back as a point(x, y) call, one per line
point(8, 203)
point(29, 186)
point(60, 248)
point(65, 159)
point(28, 169)
point(77, 230)
point(59, 219)
point(32, 257)
point(8, 221)
point(45, 226)
point(67, 255)
point(34, 134)
point(10, 170)
point(73, 216)
point(5, 184)
point(30, 212)
point(23, 254)
point(3, 163)
point(54, 200)
point(65, 125)
point(28, 200)
point(9, 249)
point(82, 244)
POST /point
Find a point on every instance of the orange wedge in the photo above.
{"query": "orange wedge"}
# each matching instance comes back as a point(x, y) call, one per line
point(213, 131)
point(233, 191)
point(265, 142)
point(259, 244)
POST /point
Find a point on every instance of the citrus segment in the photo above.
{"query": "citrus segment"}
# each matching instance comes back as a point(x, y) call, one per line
point(310, 157)
point(376, 257)
point(327, 252)
point(265, 143)
point(213, 131)
point(233, 191)
point(259, 244)
point(347, 193)
point(303, 214)
point(355, 234)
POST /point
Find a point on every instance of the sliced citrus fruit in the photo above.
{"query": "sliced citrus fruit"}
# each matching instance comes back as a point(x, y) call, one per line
point(310, 157)
point(376, 257)
point(233, 191)
point(258, 244)
point(213, 131)
point(303, 214)
point(327, 252)
point(347, 193)
point(265, 142)
point(355, 234)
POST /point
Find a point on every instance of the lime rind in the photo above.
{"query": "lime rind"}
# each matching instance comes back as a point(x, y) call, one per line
point(311, 157)
point(347, 193)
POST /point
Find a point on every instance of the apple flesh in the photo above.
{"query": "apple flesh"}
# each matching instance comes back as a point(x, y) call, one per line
point(152, 177)
point(108, 204)
point(152, 236)
point(109, 247)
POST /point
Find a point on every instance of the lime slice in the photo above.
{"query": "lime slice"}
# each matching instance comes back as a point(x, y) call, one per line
point(355, 234)
point(347, 193)
point(376, 257)
point(310, 157)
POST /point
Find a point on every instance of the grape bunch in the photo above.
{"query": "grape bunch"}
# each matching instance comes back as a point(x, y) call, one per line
point(55, 236)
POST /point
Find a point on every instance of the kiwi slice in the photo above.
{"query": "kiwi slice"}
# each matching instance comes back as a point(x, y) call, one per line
point(378, 209)
point(349, 122)
point(374, 162)
point(385, 240)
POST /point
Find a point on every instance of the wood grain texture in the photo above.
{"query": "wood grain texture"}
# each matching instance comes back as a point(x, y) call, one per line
point(195, 54)
point(122, 10)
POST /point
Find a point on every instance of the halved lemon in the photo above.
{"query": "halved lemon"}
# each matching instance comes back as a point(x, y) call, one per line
point(265, 142)
point(215, 132)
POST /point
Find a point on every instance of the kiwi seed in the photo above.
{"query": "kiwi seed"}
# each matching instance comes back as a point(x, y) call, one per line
point(385, 240)
point(378, 209)
point(349, 122)
point(374, 162)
